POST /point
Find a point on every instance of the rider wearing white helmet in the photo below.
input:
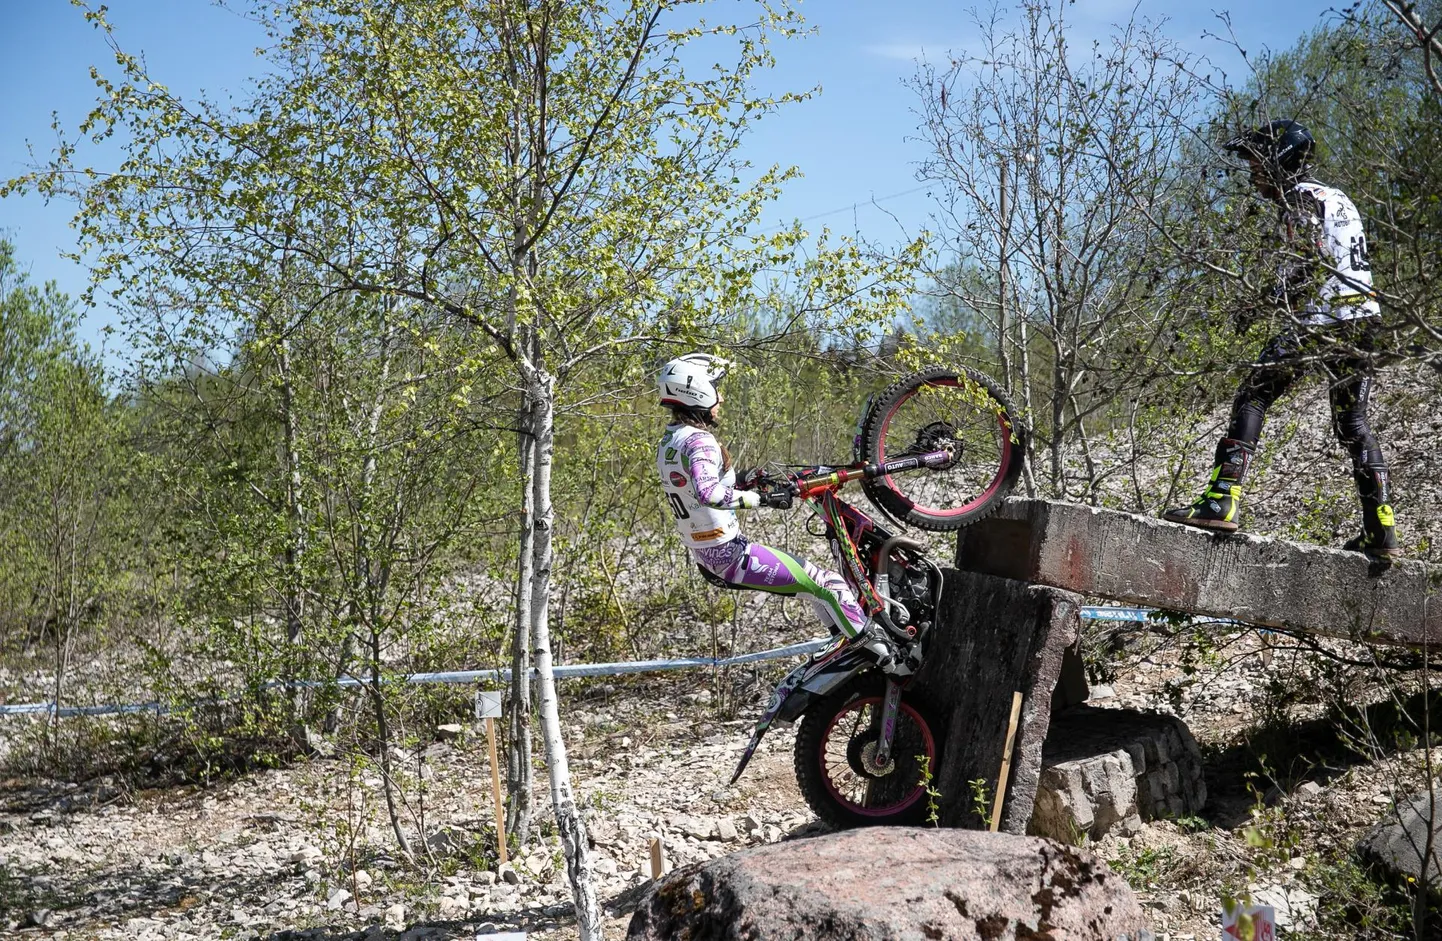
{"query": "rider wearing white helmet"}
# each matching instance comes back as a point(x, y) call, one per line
point(703, 495)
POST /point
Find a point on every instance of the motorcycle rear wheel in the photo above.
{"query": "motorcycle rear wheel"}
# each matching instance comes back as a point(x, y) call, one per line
point(836, 737)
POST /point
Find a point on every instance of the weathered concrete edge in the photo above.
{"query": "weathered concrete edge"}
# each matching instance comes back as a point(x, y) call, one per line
point(1044, 665)
point(1259, 580)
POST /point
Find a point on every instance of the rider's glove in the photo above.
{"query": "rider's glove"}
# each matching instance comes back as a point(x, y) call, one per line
point(748, 499)
point(778, 499)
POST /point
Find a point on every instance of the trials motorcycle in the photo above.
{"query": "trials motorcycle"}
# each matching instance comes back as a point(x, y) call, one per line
point(937, 449)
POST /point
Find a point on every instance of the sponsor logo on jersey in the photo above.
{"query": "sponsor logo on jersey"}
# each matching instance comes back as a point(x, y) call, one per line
point(709, 534)
point(678, 479)
point(670, 455)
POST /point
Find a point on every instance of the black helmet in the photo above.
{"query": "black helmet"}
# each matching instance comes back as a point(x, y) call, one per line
point(1283, 144)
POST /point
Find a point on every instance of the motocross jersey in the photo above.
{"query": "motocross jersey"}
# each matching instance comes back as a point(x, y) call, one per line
point(701, 495)
point(1330, 229)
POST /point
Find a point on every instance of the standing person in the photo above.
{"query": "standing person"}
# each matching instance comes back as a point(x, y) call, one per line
point(1326, 286)
point(702, 492)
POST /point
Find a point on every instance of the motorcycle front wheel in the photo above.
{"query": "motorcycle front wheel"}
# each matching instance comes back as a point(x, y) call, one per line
point(962, 411)
point(835, 746)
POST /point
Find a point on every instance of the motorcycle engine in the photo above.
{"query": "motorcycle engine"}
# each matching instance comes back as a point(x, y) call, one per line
point(913, 589)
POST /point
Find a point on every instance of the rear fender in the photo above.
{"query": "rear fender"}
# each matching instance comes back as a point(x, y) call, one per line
point(801, 687)
point(821, 681)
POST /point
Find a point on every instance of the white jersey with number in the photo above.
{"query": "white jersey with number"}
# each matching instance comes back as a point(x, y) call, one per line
point(701, 495)
point(1329, 220)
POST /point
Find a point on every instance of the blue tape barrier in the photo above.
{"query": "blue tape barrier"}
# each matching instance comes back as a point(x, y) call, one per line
point(1090, 612)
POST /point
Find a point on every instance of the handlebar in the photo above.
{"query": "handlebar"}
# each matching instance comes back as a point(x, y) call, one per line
point(812, 480)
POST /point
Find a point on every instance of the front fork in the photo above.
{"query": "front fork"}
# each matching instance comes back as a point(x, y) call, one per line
point(890, 707)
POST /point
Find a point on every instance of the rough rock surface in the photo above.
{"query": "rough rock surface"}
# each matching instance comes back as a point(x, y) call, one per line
point(1397, 843)
point(1003, 636)
point(1109, 770)
point(934, 884)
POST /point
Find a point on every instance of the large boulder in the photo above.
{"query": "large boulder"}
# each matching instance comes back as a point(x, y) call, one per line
point(1396, 844)
point(895, 883)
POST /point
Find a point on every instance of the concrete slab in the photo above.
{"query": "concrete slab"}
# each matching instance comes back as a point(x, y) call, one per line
point(1259, 580)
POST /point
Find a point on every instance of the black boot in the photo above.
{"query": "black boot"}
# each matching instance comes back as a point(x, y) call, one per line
point(1219, 505)
point(1378, 540)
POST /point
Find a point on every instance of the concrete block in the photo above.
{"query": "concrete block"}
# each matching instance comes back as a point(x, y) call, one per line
point(1254, 579)
point(995, 637)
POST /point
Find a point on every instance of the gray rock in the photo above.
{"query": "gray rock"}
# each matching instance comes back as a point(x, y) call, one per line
point(337, 898)
point(450, 731)
point(509, 875)
point(1395, 844)
point(958, 884)
point(726, 830)
point(1295, 907)
point(448, 841)
point(699, 828)
point(1105, 771)
point(303, 855)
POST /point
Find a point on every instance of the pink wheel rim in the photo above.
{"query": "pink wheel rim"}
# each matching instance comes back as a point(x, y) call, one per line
point(928, 744)
point(974, 502)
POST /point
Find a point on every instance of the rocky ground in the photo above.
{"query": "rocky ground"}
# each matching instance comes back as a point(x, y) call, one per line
point(303, 851)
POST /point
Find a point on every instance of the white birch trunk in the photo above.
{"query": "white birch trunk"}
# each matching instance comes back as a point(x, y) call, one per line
point(295, 519)
point(519, 771)
point(569, 824)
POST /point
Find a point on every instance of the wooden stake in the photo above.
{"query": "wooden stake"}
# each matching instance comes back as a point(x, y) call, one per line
point(496, 791)
point(1005, 762)
point(658, 858)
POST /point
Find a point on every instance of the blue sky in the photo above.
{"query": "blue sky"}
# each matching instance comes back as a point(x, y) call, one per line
point(851, 141)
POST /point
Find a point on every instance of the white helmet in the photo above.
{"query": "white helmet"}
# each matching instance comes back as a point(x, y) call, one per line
point(691, 380)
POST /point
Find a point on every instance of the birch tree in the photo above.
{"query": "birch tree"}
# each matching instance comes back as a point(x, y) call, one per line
point(543, 176)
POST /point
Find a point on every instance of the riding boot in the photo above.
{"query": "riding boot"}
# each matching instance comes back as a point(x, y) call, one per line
point(1217, 508)
point(889, 656)
point(1378, 540)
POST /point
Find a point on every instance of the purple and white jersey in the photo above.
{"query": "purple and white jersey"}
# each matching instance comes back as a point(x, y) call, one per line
point(701, 495)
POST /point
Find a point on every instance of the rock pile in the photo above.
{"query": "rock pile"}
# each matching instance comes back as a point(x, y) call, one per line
point(1109, 770)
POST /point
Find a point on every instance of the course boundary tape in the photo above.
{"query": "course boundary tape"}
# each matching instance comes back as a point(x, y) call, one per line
point(565, 671)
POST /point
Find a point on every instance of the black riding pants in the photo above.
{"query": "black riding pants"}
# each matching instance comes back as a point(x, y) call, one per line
point(1340, 353)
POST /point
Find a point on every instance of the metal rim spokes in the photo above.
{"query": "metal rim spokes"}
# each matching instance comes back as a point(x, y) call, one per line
point(847, 750)
point(961, 417)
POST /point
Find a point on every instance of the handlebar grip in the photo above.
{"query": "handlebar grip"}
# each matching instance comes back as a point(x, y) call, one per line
point(778, 499)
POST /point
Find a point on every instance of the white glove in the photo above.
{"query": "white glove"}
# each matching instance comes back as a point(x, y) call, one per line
point(749, 499)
